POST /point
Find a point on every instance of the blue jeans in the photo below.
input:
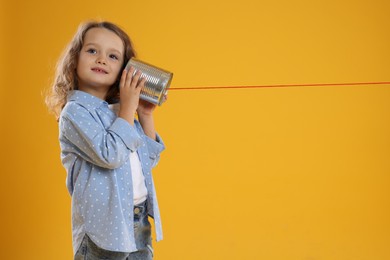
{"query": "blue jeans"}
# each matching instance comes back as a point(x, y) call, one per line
point(142, 230)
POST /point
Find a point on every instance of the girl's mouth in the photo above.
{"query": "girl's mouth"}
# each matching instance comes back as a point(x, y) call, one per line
point(99, 70)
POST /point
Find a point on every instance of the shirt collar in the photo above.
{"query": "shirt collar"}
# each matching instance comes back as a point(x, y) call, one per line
point(86, 99)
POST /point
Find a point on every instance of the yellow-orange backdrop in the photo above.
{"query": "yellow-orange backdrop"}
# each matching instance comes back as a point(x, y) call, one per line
point(282, 173)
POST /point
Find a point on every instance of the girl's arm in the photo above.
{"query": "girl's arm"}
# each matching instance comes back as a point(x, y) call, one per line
point(129, 89)
point(145, 117)
point(82, 134)
point(154, 142)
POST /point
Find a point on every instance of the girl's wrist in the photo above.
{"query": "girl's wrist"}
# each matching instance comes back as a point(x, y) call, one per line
point(144, 114)
point(128, 116)
point(123, 109)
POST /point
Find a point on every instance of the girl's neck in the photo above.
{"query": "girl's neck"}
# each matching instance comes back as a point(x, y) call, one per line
point(94, 92)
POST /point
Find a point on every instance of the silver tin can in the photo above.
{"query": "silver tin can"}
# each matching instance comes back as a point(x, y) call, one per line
point(157, 80)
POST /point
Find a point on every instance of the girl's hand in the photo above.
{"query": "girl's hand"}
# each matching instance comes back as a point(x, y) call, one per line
point(146, 108)
point(129, 90)
point(145, 117)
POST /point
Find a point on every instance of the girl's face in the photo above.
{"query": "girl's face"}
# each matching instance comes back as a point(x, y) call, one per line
point(100, 61)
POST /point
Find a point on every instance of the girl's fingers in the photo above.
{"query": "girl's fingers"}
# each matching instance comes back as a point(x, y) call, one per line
point(165, 98)
point(129, 77)
point(123, 79)
point(141, 84)
point(128, 80)
point(135, 79)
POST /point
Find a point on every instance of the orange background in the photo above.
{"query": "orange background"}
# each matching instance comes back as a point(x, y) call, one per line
point(279, 174)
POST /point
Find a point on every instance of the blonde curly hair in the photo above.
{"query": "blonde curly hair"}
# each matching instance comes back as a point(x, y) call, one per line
point(65, 79)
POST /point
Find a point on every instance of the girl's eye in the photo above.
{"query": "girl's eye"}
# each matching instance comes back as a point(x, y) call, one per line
point(112, 56)
point(92, 51)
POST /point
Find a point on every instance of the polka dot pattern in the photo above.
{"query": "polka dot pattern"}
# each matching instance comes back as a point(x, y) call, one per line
point(95, 147)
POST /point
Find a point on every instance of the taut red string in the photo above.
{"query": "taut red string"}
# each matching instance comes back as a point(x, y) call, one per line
point(286, 85)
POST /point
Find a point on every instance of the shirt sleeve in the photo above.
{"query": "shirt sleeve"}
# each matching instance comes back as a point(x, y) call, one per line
point(107, 148)
point(155, 147)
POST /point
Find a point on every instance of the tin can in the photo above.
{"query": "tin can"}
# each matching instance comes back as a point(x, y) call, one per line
point(157, 81)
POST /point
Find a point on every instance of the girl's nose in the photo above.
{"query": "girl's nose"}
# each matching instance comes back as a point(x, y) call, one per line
point(101, 60)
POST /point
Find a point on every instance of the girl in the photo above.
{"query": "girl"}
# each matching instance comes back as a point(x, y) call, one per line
point(107, 153)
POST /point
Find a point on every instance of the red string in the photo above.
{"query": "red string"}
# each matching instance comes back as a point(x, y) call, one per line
point(286, 85)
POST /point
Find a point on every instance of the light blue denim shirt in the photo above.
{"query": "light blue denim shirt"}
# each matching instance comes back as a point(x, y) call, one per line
point(95, 148)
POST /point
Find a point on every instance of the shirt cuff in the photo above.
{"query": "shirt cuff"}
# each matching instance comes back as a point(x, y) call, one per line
point(155, 147)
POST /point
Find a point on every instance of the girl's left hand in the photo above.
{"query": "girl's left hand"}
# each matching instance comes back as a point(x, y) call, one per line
point(147, 108)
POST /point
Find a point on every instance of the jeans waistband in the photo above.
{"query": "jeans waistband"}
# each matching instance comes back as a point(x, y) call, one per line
point(139, 209)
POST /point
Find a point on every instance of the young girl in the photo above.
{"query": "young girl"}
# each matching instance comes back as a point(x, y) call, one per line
point(107, 153)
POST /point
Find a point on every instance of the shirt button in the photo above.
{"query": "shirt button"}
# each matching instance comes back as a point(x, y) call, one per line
point(136, 211)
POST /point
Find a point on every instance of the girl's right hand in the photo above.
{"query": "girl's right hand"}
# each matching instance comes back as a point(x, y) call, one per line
point(129, 90)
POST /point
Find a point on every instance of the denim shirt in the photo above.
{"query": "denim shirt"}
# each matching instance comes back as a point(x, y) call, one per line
point(95, 147)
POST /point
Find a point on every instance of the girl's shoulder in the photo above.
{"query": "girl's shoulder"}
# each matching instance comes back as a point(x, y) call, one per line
point(73, 108)
point(81, 102)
